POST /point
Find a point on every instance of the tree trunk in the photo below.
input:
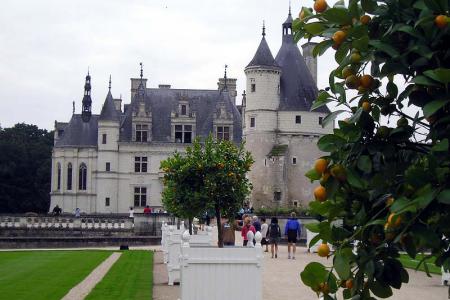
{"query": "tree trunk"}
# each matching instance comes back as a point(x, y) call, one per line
point(190, 226)
point(219, 227)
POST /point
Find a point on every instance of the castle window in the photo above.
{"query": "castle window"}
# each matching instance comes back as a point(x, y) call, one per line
point(141, 132)
point(108, 167)
point(82, 174)
point(107, 201)
point(183, 110)
point(298, 119)
point(104, 138)
point(295, 203)
point(277, 196)
point(320, 120)
point(183, 134)
point(253, 87)
point(294, 160)
point(58, 184)
point(265, 162)
point(223, 133)
point(140, 196)
point(140, 164)
point(69, 177)
point(252, 122)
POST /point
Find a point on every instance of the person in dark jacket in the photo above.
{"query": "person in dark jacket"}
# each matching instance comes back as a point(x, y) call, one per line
point(291, 231)
point(274, 236)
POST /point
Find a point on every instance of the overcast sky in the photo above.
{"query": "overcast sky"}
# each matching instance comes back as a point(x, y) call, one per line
point(47, 46)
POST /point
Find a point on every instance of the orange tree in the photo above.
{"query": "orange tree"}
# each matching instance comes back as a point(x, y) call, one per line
point(388, 185)
point(209, 176)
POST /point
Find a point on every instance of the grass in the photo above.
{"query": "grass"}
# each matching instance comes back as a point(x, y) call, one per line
point(131, 277)
point(410, 263)
point(45, 275)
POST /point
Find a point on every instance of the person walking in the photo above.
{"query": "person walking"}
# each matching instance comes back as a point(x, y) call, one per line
point(131, 212)
point(264, 230)
point(291, 231)
point(274, 236)
point(245, 229)
point(77, 212)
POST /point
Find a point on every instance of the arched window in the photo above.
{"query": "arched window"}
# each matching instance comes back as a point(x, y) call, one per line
point(58, 175)
point(69, 177)
point(82, 174)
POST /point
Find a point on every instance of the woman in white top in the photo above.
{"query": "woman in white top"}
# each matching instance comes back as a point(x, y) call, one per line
point(264, 229)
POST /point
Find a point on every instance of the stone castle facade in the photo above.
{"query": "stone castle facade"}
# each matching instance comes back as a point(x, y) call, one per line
point(108, 162)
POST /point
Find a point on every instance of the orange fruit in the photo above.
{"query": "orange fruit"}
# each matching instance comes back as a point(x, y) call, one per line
point(338, 172)
point(320, 165)
point(323, 250)
point(339, 37)
point(347, 71)
point(349, 283)
point(320, 193)
point(366, 81)
point(366, 106)
point(320, 5)
point(352, 82)
point(324, 178)
point(365, 19)
point(355, 57)
point(441, 21)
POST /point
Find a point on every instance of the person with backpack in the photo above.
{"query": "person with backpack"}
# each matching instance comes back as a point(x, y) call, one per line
point(291, 231)
point(274, 236)
point(245, 229)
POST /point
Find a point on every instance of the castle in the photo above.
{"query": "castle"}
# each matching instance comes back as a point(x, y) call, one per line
point(108, 162)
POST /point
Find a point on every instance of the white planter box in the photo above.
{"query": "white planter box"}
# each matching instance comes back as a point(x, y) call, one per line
point(221, 273)
point(202, 240)
point(173, 256)
point(445, 277)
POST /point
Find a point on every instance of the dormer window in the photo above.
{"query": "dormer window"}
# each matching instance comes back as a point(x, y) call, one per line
point(141, 132)
point(183, 134)
point(183, 110)
point(223, 133)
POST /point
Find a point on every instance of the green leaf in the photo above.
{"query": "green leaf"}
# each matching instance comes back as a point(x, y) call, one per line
point(313, 227)
point(314, 274)
point(362, 43)
point(384, 47)
point(441, 146)
point(330, 142)
point(330, 117)
point(369, 5)
point(354, 180)
point(339, 15)
point(433, 106)
point(422, 80)
point(321, 47)
point(365, 164)
point(380, 289)
point(392, 89)
point(342, 265)
point(313, 175)
point(440, 74)
point(342, 52)
point(314, 28)
point(444, 196)
point(322, 99)
point(314, 241)
point(425, 196)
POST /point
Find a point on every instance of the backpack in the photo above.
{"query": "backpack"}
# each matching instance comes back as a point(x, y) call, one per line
point(274, 230)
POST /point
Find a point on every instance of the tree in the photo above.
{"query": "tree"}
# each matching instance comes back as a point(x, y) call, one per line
point(389, 185)
point(210, 176)
point(25, 169)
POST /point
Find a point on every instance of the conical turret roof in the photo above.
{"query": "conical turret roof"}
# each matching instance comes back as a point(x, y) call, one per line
point(263, 55)
point(109, 111)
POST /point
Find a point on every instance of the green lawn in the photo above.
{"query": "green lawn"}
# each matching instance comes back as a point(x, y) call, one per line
point(410, 263)
point(45, 275)
point(131, 277)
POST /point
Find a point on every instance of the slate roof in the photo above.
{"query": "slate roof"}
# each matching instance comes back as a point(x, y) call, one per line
point(263, 56)
point(162, 102)
point(297, 87)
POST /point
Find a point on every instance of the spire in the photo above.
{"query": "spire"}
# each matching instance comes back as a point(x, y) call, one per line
point(263, 55)
point(109, 87)
point(290, 8)
point(73, 107)
point(264, 29)
point(141, 89)
point(225, 87)
point(87, 102)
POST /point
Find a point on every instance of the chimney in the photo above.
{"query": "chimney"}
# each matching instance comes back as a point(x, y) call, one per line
point(164, 86)
point(231, 86)
point(310, 61)
point(118, 104)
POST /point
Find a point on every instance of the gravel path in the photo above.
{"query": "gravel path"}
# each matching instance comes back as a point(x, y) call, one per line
point(83, 289)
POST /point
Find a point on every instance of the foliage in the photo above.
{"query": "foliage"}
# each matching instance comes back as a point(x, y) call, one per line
point(45, 275)
point(415, 264)
point(131, 277)
point(209, 176)
point(25, 169)
point(389, 185)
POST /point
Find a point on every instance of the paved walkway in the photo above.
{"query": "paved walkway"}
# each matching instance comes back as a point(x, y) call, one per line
point(281, 279)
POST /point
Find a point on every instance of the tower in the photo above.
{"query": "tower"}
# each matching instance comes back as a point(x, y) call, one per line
point(87, 102)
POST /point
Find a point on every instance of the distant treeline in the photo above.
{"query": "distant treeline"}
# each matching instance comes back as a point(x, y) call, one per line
point(25, 169)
